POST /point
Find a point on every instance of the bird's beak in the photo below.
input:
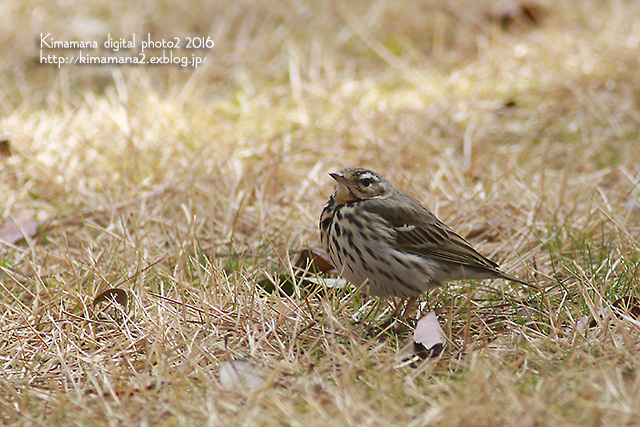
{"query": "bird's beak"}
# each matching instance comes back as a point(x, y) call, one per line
point(343, 192)
point(340, 179)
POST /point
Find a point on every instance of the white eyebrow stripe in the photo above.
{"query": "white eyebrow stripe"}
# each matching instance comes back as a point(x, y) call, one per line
point(367, 175)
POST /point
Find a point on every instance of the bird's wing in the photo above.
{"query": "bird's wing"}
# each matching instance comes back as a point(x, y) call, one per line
point(418, 231)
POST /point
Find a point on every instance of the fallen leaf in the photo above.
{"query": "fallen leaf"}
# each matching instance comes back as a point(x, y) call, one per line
point(511, 103)
point(489, 230)
point(240, 373)
point(114, 294)
point(282, 282)
point(313, 260)
point(476, 231)
point(285, 284)
point(5, 148)
point(17, 227)
point(626, 308)
point(428, 337)
point(328, 282)
point(523, 16)
point(628, 305)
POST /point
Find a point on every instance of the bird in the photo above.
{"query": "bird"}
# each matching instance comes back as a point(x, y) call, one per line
point(376, 233)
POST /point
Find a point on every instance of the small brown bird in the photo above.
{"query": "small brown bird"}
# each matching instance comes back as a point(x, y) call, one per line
point(374, 232)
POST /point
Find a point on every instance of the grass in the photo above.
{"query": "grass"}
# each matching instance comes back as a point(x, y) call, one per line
point(188, 188)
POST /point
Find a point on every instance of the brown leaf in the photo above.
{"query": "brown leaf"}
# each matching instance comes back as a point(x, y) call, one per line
point(523, 16)
point(5, 148)
point(489, 231)
point(510, 103)
point(18, 226)
point(629, 305)
point(313, 259)
point(476, 231)
point(114, 294)
point(428, 337)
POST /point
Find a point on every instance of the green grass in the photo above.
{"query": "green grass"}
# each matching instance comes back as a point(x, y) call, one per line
point(195, 189)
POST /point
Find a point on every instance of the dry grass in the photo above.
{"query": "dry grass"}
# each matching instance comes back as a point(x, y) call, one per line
point(189, 187)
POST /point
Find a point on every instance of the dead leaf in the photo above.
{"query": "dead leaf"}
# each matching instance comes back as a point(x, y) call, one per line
point(476, 231)
point(314, 260)
point(523, 16)
point(114, 294)
point(428, 337)
point(624, 306)
point(628, 305)
point(18, 226)
point(510, 103)
point(337, 283)
point(489, 230)
point(5, 148)
point(308, 285)
point(240, 373)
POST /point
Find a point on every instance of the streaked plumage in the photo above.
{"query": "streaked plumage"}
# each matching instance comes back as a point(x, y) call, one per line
point(373, 231)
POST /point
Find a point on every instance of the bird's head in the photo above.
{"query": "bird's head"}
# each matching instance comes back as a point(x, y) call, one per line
point(360, 184)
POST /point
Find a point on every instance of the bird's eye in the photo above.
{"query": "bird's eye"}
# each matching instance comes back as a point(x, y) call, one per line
point(366, 182)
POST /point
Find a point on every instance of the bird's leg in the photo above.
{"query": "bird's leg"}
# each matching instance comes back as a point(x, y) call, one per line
point(396, 310)
point(398, 323)
point(410, 302)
